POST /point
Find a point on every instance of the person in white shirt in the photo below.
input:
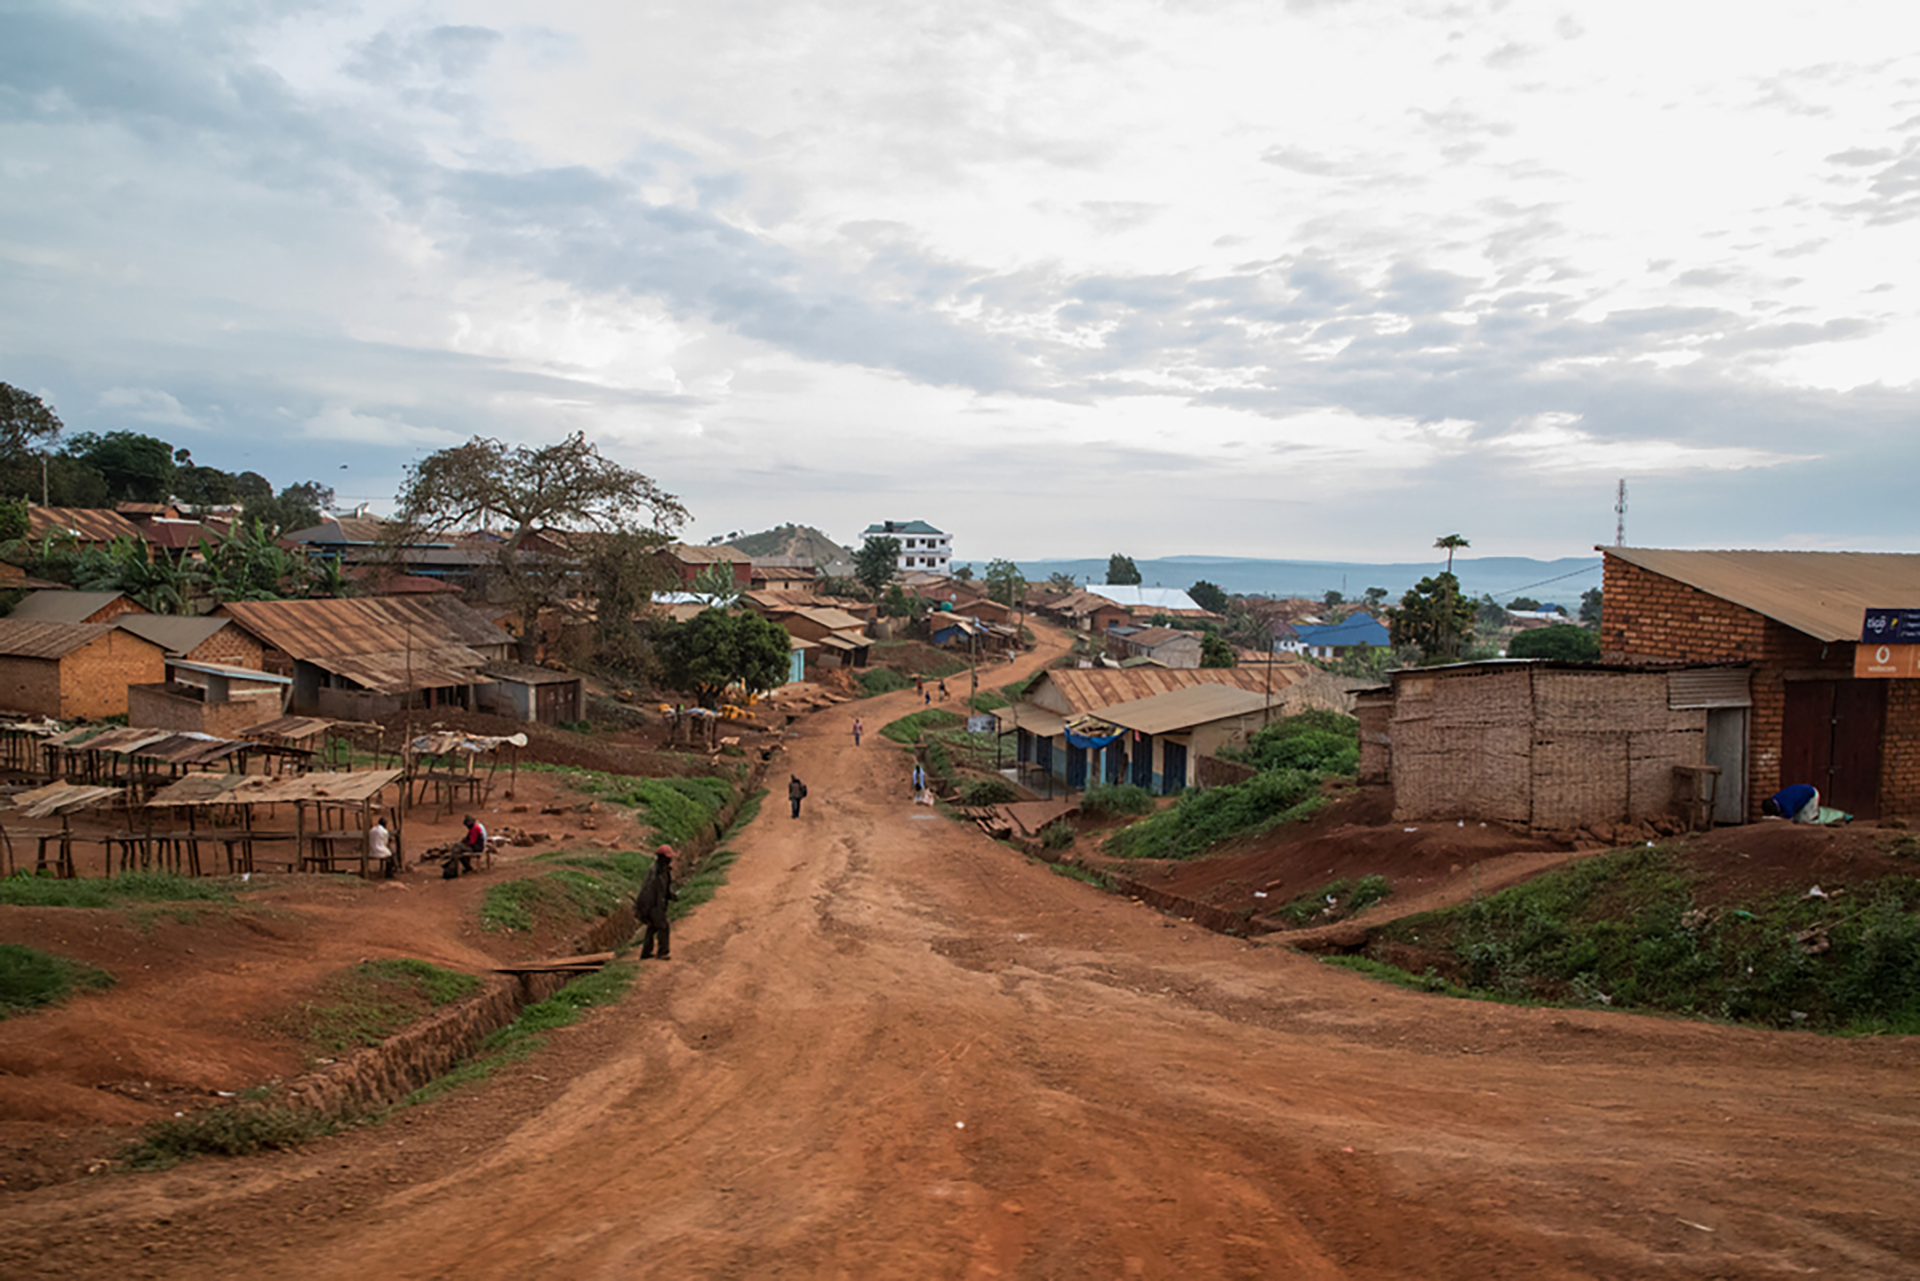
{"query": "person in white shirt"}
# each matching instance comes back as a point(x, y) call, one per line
point(380, 848)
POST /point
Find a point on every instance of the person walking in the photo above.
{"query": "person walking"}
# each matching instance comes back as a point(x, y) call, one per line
point(857, 727)
point(943, 691)
point(650, 905)
point(919, 779)
point(796, 792)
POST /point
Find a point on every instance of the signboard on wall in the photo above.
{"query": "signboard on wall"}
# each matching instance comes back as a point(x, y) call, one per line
point(1887, 661)
point(1891, 627)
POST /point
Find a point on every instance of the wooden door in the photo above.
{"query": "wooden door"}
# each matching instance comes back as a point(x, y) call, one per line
point(1173, 767)
point(1831, 738)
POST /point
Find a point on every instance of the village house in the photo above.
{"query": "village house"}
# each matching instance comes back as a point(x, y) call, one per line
point(59, 606)
point(1815, 714)
point(207, 698)
point(82, 526)
point(838, 638)
point(202, 638)
point(1158, 742)
point(363, 657)
point(1167, 646)
point(921, 545)
point(73, 671)
point(684, 564)
point(1334, 640)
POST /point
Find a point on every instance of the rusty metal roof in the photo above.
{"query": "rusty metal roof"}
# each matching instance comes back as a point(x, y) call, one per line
point(59, 606)
point(1086, 691)
point(258, 789)
point(298, 728)
point(397, 672)
point(24, 638)
point(1823, 594)
point(312, 629)
point(715, 555)
point(527, 674)
point(87, 524)
point(1185, 708)
point(60, 798)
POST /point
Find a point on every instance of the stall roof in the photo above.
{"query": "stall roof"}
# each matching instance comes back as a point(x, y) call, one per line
point(59, 798)
point(230, 672)
point(446, 742)
point(258, 789)
point(296, 728)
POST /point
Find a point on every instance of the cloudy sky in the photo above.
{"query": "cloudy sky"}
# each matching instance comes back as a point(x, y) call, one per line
point(1306, 280)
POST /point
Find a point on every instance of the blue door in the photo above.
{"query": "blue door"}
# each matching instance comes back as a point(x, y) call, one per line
point(1143, 762)
point(1076, 767)
point(1174, 767)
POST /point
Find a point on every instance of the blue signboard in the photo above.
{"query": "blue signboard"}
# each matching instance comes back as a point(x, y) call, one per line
point(1891, 627)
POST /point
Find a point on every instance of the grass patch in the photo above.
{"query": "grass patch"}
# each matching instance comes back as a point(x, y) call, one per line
point(1073, 871)
point(1623, 930)
point(1116, 798)
point(581, 887)
point(371, 1001)
point(31, 979)
point(1200, 819)
point(224, 1131)
point(881, 680)
point(1321, 742)
point(988, 791)
point(1428, 982)
point(26, 890)
point(987, 700)
point(1334, 901)
point(703, 884)
point(911, 728)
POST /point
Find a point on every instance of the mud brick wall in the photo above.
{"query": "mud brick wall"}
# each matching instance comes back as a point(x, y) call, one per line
point(168, 706)
point(30, 685)
point(113, 609)
point(233, 647)
point(1462, 746)
point(94, 678)
point(1211, 771)
point(1900, 750)
point(1650, 617)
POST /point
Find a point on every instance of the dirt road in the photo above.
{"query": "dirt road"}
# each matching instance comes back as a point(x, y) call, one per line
point(892, 1049)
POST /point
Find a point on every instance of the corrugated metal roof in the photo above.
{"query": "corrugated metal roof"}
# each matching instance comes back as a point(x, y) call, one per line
point(24, 638)
point(174, 633)
point(88, 524)
point(1184, 708)
point(718, 555)
point(298, 728)
point(62, 606)
point(1026, 716)
point(837, 619)
point(258, 789)
point(230, 671)
point(1083, 691)
point(397, 672)
point(527, 674)
point(60, 798)
point(1823, 594)
point(1131, 596)
point(312, 629)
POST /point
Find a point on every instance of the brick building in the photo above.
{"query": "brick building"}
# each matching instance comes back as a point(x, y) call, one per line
point(60, 606)
point(196, 638)
point(1796, 617)
point(73, 671)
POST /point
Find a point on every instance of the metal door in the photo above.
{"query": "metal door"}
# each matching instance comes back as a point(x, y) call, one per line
point(1076, 767)
point(1116, 761)
point(1173, 767)
point(1727, 748)
point(1143, 762)
point(1831, 738)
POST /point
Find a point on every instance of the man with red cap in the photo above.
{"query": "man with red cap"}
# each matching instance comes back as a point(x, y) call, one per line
point(650, 905)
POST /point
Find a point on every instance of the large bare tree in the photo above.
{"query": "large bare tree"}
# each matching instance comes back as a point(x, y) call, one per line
point(564, 487)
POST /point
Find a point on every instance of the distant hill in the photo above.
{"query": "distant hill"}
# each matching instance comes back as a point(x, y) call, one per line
point(791, 540)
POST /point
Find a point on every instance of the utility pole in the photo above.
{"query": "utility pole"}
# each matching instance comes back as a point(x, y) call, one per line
point(1620, 514)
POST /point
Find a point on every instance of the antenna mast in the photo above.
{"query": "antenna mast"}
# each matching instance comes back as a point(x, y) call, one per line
point(1620, 515)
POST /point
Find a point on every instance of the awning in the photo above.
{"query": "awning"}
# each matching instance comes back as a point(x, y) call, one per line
point(257, 789)
point(1034, 720)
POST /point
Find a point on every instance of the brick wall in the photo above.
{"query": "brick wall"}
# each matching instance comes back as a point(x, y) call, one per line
point(112, 610)
point(231, 646)
point(1648, 616)
point(170, 706)
point(94, 678)
point(30, 685)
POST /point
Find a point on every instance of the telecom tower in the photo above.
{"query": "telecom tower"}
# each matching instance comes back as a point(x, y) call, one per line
point(1620, 515)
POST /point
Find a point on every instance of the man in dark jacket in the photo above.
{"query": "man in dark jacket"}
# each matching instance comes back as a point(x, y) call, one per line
point(796, 792)
point(656, 892)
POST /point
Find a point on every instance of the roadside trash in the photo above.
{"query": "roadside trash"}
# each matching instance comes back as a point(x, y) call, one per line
point(959, 1125)
point(1409, 829)
point(1259, 893)
point(1799, 1016)
point(1816, 892)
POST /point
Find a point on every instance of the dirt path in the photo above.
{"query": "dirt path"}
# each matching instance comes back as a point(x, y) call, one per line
point(890, 1048)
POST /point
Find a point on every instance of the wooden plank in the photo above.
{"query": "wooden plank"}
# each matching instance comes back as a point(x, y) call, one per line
point(590, 961)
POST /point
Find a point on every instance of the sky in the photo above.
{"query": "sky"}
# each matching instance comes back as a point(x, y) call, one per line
point(1303, 279)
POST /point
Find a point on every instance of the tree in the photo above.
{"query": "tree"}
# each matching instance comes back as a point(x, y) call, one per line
point(247, 564)
point(204, 486)
point(716, 586)
point(251, 487)
point(1215, 652)
point(1433, 617)
point(1488, 613)
point(1210, 597)
point(1453, 543)
point(875, 564)
point(137, 468)
point(1334, 600)
point(1376, 597)
point(1005, 583)
point(1061, 581)
point(1523, 604)
point(715, 649)
point(1565, 642)
point(1590, 606)
point(123, 565)
point(964, 574)
point(71, 482)
point(895, 603)
point(27, 426)
point(562, 486)
point(622, 570)
point(15, 520)
point(1121, 571)
point(297, 507)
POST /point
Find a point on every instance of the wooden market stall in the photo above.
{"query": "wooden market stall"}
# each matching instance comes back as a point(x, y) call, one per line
point(342, 809)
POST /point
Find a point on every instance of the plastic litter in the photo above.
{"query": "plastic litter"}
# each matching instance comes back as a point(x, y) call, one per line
point(1816, 892)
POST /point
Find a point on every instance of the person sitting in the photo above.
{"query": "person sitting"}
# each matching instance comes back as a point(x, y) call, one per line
point(1799, 803)
point(380, 849)
point(473, 844)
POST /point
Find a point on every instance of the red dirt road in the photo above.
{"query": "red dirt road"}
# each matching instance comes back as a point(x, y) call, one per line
point(893, 1049)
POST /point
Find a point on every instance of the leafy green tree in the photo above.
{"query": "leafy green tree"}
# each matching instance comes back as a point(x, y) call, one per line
point(622, 571)
point(28, 425)
point(296, 507)
point(1214, 651)
point(251, 487)
point(1005, 583)
point(1523, 604)
point(247, 564)
point(1375, 597)
point(895, 603)
point(1452, 543)
point(14, 520)
point(1121, 571)
point(1060, 581)
point(123, 565)
point(327, 580)
point(715, 649)
point(716, 586)
point(72, 482)
point(1566, 642)
point(876, 563)
point(1210, 597)
point(199, 486)
point(964, 574)
point(562, 486)
point(1590, 603)
point(136, 468)
point(1333, 600)
point(1433, 617)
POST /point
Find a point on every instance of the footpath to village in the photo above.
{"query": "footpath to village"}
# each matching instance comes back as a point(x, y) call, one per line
point(892, 1048)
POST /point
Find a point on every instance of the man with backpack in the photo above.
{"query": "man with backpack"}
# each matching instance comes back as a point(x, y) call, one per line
point(796, 792)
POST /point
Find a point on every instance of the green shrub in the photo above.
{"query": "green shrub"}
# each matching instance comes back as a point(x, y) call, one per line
point(1075, 872)
point(1199, 819)
point(880, 680)
point(30, 978)
point(987, 700)
point(1319, 741)
point(939, 763)
point(224, 1131)
point(989, 791)
point(1116, 798)
point(1057, 835)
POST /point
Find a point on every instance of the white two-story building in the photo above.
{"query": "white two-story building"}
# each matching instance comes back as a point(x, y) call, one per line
point(922, 546)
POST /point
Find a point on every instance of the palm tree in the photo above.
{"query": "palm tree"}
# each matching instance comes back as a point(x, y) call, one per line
point(1452, 542)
